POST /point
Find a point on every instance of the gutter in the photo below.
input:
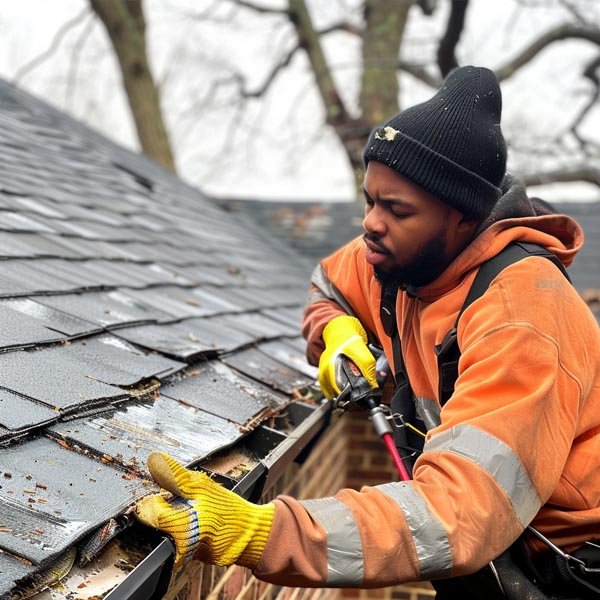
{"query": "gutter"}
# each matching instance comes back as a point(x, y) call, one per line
point(276, 450)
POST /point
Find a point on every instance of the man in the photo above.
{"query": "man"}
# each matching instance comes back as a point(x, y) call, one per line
point(517, 443)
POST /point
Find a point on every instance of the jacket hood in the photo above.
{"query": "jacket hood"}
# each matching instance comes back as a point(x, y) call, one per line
point(515, 217)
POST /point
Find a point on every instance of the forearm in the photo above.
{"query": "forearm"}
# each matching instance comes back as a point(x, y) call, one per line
point(316, 317)
point(344, 541)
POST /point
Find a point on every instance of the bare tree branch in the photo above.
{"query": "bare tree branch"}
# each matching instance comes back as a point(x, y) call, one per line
point(134, 7)
point(279, 66)
point(420, 72)
point(590, 73)
point(75, 56)
point(261, 9)
point(427, 6)
point(574, 10)
point(308, 39)
point(54, 45)
point(561, 32)
point(446, 54)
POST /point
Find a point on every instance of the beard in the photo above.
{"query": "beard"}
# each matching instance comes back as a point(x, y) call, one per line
point(427, 266)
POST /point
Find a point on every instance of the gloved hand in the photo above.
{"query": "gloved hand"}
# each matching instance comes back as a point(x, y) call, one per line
point(205, 520)
point(344, 335)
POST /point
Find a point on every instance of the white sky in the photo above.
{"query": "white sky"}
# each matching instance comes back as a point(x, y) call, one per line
point(290, 157)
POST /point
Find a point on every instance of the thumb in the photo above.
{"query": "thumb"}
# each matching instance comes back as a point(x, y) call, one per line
point(149, 509)
point(173, 476)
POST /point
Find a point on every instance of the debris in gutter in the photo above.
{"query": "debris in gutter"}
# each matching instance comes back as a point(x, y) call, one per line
point(307, 394)
point(98, 540)
point(42, 581)
point(263, 415)
point(145, 388)
point(234, 464)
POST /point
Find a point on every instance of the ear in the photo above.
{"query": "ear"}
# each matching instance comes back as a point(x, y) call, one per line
point(466, 225)
point(462, 230)
point(460, 223)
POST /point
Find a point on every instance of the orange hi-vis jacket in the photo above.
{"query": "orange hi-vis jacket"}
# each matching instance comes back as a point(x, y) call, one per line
point(518, 442)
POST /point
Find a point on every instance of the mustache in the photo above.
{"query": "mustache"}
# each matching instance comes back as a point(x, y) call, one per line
point(375, 240)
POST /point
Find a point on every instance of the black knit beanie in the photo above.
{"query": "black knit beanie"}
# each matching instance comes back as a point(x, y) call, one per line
point(452, 145)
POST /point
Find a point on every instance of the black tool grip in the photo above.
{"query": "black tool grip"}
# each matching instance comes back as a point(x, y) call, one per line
point(358, 391)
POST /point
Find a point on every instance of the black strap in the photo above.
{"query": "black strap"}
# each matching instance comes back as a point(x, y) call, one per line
point(409, 443)
point(513, 253)
point(448, 352)
point(483, 583)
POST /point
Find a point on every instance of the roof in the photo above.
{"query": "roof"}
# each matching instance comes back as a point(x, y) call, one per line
point(135, 316)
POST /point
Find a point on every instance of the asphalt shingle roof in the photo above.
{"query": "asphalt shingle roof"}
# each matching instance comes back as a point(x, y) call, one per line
point(135, 316)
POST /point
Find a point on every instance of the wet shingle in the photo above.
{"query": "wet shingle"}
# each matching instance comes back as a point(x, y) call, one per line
point(291, 353)
point(52, 377)
point(19, 330)
point(11, 571)
point(50, 318)
point(106, 309)
point(266, 369)
point(128, 434)
point(215, 388)
point(51, 496)
point(18, 412)
point(187, 340)
point(111, 360)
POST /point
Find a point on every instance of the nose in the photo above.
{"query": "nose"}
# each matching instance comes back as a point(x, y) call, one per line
point(373, 222)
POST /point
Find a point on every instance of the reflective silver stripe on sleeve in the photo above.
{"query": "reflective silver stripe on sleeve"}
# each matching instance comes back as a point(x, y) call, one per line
point(429, 536)
point(344, 548)
point(326, 290)
point(429, 412)
point(498, 459)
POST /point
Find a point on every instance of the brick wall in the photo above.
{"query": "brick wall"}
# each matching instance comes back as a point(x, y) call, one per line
point(348, 454)
point(368, 461)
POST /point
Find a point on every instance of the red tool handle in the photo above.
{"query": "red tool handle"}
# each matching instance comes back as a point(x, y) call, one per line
point(391, 446)
point(360, 393)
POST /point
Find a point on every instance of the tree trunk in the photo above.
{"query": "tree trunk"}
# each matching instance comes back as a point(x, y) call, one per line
point(351, 132)
point(385, 21)
point(384, 27)
point(126, 28)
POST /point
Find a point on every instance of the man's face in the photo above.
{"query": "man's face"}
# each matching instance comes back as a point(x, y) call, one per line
point(407, 230)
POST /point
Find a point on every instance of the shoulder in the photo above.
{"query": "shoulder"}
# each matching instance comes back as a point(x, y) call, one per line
point(531, 293)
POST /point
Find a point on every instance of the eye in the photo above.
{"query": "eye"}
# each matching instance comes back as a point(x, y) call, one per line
point(399, 213)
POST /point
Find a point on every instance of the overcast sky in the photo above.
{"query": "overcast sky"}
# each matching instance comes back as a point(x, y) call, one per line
point(314, 168)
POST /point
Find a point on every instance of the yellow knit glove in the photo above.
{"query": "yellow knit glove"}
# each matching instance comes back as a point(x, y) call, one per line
point(344, 335)
point(205, 520)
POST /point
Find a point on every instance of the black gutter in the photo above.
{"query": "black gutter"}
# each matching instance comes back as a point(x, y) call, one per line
point(150, 579)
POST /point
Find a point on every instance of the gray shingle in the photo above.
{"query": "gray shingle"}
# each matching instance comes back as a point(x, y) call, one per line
point(52, 377)
point(259, 365)
point(105, 309)
point(130, 432)
point(187, 340)
point(18, 412)
point(215, 388)
point(117, 275)
point(51, 497)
